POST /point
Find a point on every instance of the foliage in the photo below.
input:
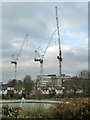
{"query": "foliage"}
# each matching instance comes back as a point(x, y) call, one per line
point(73, 110)
point(86, 74)
point(35, 112)
point(10, 112)
point(25, 113)
point(72, 86)
point(28, 84)
point(13, 82)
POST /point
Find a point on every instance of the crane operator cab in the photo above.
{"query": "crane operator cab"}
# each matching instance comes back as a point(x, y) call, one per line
point(14, 62)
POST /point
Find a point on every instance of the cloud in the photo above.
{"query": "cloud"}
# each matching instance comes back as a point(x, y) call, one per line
point(45, 1)
point(86, 40)
point(72, 58)
point(73, 61)
point(76, 35)
point(39, 21)
point(71, 17)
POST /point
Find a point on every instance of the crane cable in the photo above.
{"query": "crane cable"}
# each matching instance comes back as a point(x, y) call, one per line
point(46, 47)
point(49, 43)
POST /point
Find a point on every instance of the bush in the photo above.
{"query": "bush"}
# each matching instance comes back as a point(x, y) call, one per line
point(74, 110)
point(10, 112)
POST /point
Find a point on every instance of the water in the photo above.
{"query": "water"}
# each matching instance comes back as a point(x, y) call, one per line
point(26, 104)
point(29, 103)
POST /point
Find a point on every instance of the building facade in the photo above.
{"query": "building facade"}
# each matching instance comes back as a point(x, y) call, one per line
point(44, 81)
point(8, 91)
point(49, 84)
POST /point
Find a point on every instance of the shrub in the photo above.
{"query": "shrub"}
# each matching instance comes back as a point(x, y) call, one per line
point(75, 110)
point(10, 112)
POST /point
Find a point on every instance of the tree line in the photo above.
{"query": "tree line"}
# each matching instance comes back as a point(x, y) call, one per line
point(27, 84)
point(81, 82)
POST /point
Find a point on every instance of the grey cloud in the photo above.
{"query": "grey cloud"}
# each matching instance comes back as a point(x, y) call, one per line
point(39, 20)
point(72, 62)
point(80, 56)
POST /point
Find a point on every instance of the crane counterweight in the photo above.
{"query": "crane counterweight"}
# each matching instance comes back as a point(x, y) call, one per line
point(14, 62)
point(36, 59)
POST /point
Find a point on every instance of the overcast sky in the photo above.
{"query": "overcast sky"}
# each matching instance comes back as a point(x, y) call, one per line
point(39, 21)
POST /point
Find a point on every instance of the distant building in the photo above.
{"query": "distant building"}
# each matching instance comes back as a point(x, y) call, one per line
point(47, 81)
point(49, 84)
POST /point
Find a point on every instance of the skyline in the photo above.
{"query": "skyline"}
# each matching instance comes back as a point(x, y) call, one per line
point(38, 20)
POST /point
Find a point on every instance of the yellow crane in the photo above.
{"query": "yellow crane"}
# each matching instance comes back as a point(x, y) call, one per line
point(60, 55)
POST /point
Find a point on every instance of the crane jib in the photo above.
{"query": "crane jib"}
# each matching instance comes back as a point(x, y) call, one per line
point(41, 57)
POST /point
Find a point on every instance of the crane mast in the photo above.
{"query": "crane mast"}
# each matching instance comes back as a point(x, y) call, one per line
point(16, 58)
point(41, 57)
point(60, 55)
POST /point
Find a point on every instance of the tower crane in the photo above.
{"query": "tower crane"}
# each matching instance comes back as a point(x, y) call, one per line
point(15, 59)
point(41, 57)
point(60, 55)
